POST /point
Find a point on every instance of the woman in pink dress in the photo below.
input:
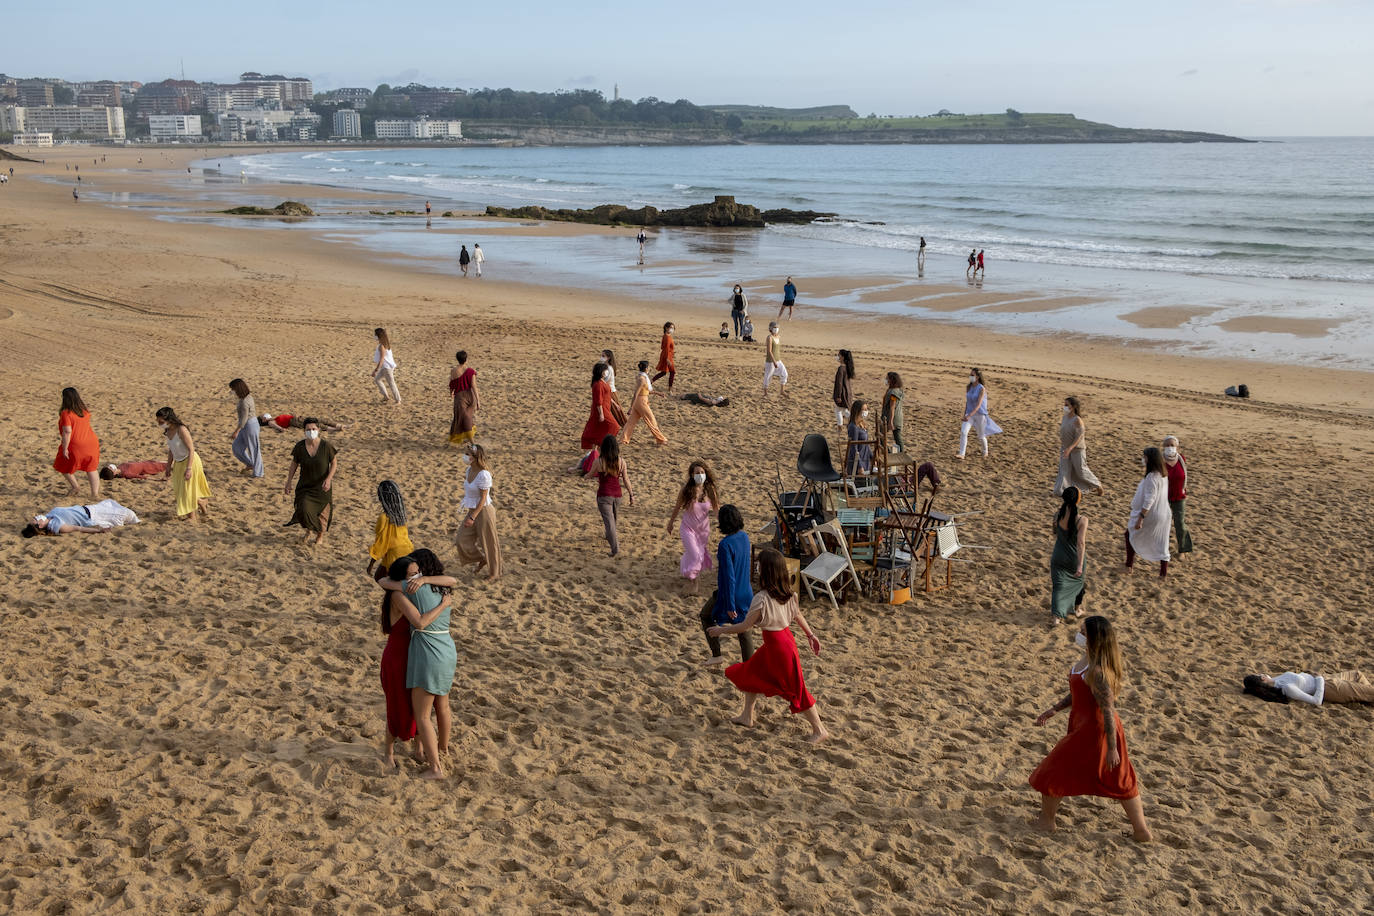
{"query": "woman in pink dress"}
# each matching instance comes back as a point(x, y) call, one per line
point(695, 501)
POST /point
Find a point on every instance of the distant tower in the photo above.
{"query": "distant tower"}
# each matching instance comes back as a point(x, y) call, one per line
point(617, 92)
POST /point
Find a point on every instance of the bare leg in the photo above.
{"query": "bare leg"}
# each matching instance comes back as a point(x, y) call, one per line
point(203, 507)
point(94, 478)
point(1136, 812)
point(422, 702)
point(444, 714)
point(818, 732)
point(390, 755)
point(72, 488)
point(1049, 806)
point(746, 718)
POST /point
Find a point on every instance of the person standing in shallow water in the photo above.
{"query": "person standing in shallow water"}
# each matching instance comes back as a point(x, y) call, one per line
point(464, 259)
point(1092, 758)
point(789, 298)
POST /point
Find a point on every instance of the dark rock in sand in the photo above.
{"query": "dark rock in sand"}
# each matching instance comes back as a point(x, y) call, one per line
point(285, 208)
point(723, 212)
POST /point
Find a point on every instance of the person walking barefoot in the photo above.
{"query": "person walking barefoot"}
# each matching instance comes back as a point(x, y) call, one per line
point(775, 669)
point(79, 449)
point(695, 502)
point(772, 362)
point(611, 473)
point(1091, 759)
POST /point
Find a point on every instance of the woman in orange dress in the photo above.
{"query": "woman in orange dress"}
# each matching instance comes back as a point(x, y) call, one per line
point(665, 356)
point(1091, 759)
point(79, 449)
point(602, 422)
point(640, 409)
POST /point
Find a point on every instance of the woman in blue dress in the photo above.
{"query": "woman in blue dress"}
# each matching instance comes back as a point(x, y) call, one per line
point(976, 414)
point(433, 657)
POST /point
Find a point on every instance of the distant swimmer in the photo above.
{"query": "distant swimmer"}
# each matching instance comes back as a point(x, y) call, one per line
point(426, 209)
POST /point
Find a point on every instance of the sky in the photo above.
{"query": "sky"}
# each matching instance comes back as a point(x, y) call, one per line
point(1245, 67)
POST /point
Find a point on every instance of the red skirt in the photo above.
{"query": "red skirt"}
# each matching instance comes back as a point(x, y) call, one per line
point(1078, 763)
point(400, 715)
point(775, 671)
point(597, 430)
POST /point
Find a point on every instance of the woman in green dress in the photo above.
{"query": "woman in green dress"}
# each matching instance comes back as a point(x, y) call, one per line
point(315, 459)
point(433, 657)
point(1067, 585)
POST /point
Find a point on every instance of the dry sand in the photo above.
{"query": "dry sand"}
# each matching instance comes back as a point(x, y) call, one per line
point(192, 716)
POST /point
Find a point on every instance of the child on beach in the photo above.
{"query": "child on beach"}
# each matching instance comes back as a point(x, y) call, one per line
point(611, 474)
point(392, 540)
point(725, 330)
point(695, 501)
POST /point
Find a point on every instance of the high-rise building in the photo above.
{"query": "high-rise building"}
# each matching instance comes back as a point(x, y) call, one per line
point(348, 123)
point(174, 127)
point(103, 123)
point(35, 93)
point(417, 129)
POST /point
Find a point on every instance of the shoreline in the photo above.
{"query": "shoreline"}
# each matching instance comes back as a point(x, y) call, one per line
point(195, 716)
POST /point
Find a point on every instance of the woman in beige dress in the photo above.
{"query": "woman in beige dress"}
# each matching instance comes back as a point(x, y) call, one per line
point(478, 544)
point(1073, 453)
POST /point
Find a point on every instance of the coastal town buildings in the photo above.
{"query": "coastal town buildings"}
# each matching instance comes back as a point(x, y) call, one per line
point(174, 127)
point(353, 95)
point(417, 129)
point(33, 138)
point(347, 123)
point(103, 123)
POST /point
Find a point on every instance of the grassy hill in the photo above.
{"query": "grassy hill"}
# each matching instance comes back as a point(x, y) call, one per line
point(764, 113)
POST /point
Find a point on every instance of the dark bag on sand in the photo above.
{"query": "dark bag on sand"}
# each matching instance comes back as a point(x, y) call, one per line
point(1242, 391)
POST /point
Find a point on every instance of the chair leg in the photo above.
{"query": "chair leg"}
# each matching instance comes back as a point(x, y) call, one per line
point(833, 603)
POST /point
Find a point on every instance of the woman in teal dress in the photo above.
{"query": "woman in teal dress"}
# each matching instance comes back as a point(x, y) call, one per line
point(433, 657)
point(1067, 585)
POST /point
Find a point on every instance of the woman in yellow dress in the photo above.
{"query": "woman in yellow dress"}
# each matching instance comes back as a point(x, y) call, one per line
point(392, 540)
point(184, 467)
point(639, 410)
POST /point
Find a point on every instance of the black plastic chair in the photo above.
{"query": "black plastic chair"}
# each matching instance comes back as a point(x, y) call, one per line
point(815, 467)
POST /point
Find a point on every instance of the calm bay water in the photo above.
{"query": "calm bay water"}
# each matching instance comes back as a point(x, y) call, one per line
point(1277, 229)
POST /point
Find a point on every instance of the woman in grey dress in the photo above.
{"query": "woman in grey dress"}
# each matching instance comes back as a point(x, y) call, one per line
point(246, 446)
point(1073, 452)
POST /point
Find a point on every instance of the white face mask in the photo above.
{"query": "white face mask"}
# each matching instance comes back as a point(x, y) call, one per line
point(972, 379)
point(162, 426)
point(864, 415)
point(1170, 452)
point(1081, 640)
point(1065, 408)
point(840, 360)
point(467, 459)
point(312, 434)
point(699, 479)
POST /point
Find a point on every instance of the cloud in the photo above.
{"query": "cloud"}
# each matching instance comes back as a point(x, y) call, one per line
point(1192, 72)
point(583, 80)
point(1270, 69)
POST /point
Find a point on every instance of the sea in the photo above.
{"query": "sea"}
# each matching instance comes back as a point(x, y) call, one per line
point(1261, 249)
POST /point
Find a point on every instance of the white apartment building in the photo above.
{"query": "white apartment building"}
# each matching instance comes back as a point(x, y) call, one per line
point(174, 127)
point(99, 123)
point(418, 129)
point(33, 138)
point(348, 123)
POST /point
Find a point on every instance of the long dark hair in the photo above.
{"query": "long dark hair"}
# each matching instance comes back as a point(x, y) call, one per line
point(773, 576)
point(389, 495)
point(848, 363)
point(689, 487)
point(396, 572)
point(1256, 687)
point(72, 401)
point(610, 454)
point(894, 380)
point(598, 372)
point(240, 388)
point(1154, 462)
point(169, 416)
point(730, 519)
point(430, 566)
point(1069, 507)
point(383, 339)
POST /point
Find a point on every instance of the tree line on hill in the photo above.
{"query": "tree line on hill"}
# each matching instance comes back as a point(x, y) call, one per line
point(572, 107)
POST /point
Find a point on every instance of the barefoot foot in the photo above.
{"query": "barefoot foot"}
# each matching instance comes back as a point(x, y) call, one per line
point(741, 720)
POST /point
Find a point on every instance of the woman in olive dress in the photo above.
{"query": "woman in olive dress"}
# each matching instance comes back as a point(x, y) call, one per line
point(316, 459)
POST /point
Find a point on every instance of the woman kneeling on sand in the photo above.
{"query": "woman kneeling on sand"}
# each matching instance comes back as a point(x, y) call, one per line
point(1091, 759)
point(775, 669)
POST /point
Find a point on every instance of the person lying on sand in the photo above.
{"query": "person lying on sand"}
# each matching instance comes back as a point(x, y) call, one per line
point(133, 470)
point(96, 518)
point(706, 400)
point(1313, 689)
point(284, 421)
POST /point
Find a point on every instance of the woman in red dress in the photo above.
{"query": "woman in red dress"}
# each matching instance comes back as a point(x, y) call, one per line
point(602, 422)
point(399, 615)
point(1091, 759)
point(665, 356)
point(462, 385)
point(79, 449)
point(775, 669)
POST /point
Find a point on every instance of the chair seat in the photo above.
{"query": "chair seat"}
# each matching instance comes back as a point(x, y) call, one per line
point(825, 567)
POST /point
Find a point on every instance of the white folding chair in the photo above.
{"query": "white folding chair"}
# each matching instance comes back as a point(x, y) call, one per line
point(828, 568)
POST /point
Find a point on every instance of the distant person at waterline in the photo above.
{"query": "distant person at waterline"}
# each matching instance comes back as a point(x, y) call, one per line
point(979, 268)
point(641, 238)
point(463, 259)
point(921, 255)
point(789, 298)
point(972, 261)
point(477, 258)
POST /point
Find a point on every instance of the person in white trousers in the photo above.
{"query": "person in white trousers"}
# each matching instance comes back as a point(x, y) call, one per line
point(385, 373)
point(477, 258)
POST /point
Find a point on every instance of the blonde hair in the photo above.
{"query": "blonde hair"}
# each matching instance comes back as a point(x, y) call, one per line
point(1103, 652)
point(479, 457)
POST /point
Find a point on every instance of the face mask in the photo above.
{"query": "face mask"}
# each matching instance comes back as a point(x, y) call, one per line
point(864, 415)
point(840, 360)
point(1081, 640)
point(312, 434)
point(972, 379)
point(1065, 408)
point(467, 459)
point(699, 479)
point(162, 426)
point(1170, 452)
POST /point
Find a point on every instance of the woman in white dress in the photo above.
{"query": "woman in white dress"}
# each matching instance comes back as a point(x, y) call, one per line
point(385, 374)
point(1147, 530)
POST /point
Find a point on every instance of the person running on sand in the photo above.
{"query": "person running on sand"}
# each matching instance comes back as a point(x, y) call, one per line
point(391, 539)
point(775, 670)
point(666, 349)
point(184, 467)
point(789, 298)
point(1091, 759)
point(610, 472)
point(133, 470)
point(772, 361)
point(640, 410)
point(78, 450)
point(695, 502)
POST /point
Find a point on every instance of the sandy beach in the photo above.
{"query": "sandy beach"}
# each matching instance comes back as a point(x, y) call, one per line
point(192, 714)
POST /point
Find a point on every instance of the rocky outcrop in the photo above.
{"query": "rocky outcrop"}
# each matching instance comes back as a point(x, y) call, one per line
point(285, 208)
point(723, 212)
